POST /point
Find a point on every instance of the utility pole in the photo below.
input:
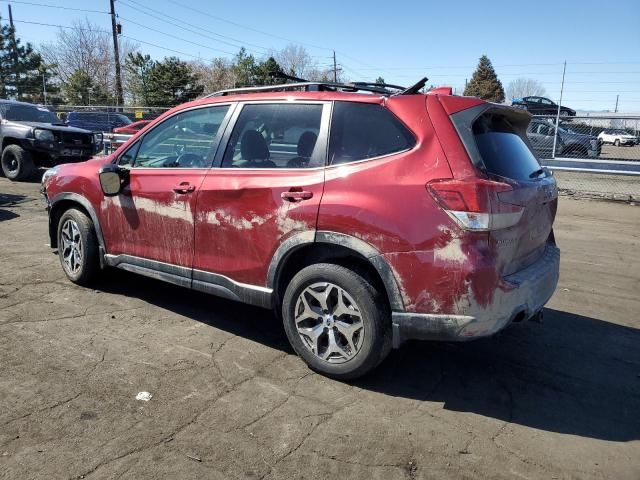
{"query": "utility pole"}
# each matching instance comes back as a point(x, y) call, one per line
point(44, 87)
point(555, 136)
point(335, 68)
point(14, 48)
point(617, 98)
point(116, 54)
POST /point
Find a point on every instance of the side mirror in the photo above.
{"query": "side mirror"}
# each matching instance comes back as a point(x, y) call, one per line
point(112, 179)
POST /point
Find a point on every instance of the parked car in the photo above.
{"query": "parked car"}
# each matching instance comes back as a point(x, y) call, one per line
point(363, 220)
point(98, 121)
point(542, 106)
point(33, 137)
point(568, 143)
point(617, 137)
point(132, 128)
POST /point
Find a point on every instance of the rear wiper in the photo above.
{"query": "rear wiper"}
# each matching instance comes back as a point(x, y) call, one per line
point(538, 172)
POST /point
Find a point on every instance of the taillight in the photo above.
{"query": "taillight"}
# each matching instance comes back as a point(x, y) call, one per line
point(473, 203)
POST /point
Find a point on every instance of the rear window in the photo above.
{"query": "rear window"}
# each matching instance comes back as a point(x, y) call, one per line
point(360, 131)
point(502, 150)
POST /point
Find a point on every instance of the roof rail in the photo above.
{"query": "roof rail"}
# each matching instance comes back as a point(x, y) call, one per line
point(381, 88)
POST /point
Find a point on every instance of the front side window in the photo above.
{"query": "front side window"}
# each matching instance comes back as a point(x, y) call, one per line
point(276, 135)
point(362, 130)
point(185, 140)
point(546, 101)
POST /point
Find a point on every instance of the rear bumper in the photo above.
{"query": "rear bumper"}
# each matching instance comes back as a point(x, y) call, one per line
point(527, 293)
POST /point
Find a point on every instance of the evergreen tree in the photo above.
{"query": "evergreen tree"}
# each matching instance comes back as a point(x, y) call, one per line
point(82, 90)
point(244, 69)
point(21, 69)
point(379, 80)
point(266, 72)
point(138, 68)
point(171, 82)
point(484, 83)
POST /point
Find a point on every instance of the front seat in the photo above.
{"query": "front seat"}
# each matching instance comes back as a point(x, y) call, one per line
point(255, 151)
point(306, 143)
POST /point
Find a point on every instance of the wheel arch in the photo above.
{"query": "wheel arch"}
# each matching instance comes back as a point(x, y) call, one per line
point(6, 141)
point(63, 202)
point(307, 248)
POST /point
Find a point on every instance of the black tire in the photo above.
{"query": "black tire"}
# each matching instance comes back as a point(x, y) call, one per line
point(374, 312)
point(89, 264)
point(17, 163)
point(578, 152)
point(616, 142)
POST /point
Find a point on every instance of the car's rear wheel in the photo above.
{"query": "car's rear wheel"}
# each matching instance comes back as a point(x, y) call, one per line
point(17, 163)
point(78, 247)
point(578, 152)
point(616, 142)
point(336, 320)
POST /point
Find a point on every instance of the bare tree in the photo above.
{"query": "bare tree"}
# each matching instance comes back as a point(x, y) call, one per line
point(87, 48)
point(217, 75)
point(295, 60)
point(525, 87)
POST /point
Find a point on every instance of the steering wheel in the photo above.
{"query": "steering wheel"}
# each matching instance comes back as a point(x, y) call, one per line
point(189, 160)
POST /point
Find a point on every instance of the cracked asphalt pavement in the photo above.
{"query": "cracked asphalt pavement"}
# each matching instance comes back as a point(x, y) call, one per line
point(230, 400)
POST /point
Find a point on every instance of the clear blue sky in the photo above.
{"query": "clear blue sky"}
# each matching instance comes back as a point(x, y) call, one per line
point(400, 41)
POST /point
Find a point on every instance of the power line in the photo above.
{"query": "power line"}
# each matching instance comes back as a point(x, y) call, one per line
point(58, 6)
point(104, 31)
point(240, 45)
point(176, 37)
point(246, 27)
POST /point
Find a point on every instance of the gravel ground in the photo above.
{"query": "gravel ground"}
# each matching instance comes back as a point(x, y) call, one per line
point(595, 185)
point(230, 400)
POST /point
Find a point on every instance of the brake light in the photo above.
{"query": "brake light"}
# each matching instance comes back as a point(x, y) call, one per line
point(474, 204)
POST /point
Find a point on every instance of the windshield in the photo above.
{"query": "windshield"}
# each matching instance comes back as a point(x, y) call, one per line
point(123, 118)
point(27, 113)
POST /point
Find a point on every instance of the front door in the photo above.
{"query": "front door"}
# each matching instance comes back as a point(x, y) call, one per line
point(267, 190)
point(153, 216)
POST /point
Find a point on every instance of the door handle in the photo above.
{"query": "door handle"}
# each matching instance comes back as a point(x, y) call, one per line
point(184, 187)
point(296, 195)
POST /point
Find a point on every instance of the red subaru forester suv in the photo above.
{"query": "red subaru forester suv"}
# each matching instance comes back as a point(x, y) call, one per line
point(363, 215)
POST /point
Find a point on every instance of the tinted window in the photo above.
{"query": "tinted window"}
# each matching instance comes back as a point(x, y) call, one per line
point(360, 131)
point(502, 150)
point(276, 136)
point(184, 140)
point(546, 101)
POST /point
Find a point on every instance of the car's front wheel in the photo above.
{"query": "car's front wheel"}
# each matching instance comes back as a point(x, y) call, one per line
point(17, 163)
point(78, 247)
point(336, 320)
point(617, 142)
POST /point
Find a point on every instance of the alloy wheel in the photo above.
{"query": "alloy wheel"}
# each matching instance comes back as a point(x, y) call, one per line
point(329, 322)
point(71, 246)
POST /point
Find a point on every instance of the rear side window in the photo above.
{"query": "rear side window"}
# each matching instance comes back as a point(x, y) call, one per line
point(502, 150)
point(361, 130)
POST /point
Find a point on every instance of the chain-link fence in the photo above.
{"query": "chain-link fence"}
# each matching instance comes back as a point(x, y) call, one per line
point(595, 156)
point(107, 114)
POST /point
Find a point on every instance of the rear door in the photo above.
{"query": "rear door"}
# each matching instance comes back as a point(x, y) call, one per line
point(533, 105)
point(506, 157)
point(267, 189)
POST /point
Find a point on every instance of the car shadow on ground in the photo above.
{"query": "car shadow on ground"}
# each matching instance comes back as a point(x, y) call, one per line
point(9, 200)
point(573, 375)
